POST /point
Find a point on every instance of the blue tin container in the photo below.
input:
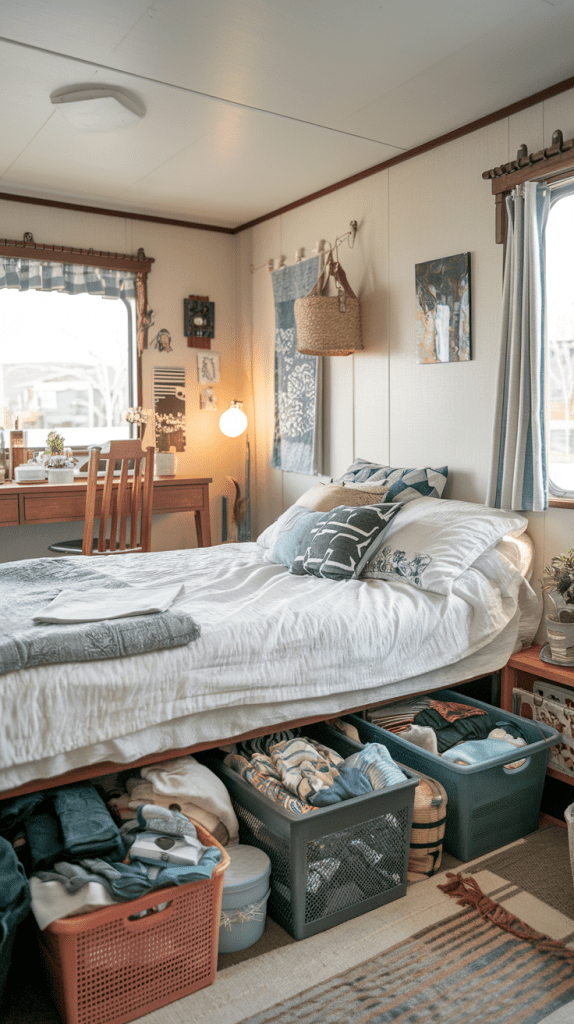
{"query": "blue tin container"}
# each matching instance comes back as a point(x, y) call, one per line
point(244, 902)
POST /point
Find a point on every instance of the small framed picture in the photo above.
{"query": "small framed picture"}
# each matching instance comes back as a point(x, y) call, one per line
point(207, 366)
point(207, 399)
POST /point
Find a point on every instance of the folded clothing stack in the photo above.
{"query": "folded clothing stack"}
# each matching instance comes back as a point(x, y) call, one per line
point(462, 733)
point(300, 774)
point(184, 785)
point(78, 859)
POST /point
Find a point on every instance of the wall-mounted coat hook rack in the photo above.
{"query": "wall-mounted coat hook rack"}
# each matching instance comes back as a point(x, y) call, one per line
point(321, 246)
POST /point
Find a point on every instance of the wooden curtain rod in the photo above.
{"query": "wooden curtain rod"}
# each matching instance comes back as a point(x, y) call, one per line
point(29, 249)
point(527, 166)
point(551, 164)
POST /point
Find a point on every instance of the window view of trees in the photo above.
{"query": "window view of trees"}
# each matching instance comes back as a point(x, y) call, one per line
point(560, 342)
point(64, 364)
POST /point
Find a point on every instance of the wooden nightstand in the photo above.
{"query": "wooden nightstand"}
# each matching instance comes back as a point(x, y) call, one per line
point(522, 671)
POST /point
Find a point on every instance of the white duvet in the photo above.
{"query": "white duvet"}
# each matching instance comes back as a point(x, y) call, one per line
point(273, 647)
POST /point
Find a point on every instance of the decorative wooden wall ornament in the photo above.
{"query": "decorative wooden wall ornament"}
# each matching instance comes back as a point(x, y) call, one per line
point(198, 321)
point(551, 164)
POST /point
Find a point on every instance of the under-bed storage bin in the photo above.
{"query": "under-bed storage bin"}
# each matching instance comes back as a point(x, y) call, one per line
point(335, 862)
point(110, 966)
point(489, 805)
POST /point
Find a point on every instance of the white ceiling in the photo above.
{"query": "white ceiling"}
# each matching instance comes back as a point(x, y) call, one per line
point(254, 104)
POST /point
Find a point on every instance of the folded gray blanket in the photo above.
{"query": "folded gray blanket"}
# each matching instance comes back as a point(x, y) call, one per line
point(28, 585)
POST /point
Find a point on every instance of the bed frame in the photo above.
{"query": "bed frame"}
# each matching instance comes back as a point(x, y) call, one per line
point(110, 767)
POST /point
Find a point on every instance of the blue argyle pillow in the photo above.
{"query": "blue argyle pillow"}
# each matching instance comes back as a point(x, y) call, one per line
point(403, 484)
point(338, 545)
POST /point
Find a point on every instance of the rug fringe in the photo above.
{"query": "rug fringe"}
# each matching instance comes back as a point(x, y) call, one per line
point(468, 893)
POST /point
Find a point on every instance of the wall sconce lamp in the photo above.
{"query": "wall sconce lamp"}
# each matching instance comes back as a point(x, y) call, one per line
point(232, 423)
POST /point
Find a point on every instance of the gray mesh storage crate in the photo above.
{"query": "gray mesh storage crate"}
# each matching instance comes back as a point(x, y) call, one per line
point(489, 805)
point(335, 862)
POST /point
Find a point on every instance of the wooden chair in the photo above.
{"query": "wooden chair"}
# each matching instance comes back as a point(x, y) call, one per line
point(117, 504)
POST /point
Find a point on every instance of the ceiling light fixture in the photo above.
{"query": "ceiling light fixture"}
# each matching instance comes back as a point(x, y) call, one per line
point(98, 108)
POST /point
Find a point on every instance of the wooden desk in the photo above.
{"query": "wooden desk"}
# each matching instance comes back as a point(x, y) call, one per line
point(22, 504)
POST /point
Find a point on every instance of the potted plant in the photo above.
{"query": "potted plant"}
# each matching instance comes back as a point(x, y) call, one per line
point(58, 460)
point(558, 583)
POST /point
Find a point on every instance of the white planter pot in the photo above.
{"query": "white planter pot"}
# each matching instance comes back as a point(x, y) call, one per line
point(61, 476)
point(561, 639)
point(165, 464)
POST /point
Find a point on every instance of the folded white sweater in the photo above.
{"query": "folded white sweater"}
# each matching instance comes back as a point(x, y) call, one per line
point(196, 783)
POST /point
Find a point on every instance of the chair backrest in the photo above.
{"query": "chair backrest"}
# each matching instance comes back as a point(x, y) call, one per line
point(117, 503)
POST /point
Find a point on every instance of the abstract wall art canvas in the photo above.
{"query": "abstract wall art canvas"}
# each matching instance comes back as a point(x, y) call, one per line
point(443, 309)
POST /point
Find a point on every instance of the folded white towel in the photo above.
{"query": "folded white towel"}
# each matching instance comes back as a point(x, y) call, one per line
point(95, 605)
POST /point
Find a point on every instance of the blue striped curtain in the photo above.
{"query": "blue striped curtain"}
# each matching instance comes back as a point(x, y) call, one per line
point(74, 279)
point(518, 472)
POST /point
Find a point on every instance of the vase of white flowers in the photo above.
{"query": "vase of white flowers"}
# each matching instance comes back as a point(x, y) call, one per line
point(140, 417)
point(58, 460)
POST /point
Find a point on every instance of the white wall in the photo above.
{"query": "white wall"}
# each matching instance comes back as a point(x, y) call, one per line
point(187, 262)
point(380, 404)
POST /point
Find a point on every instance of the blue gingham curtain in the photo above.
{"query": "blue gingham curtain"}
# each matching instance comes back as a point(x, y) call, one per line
point(26, 274)
point(518, 471)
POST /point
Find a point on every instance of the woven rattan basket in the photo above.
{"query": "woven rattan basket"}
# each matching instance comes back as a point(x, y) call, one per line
point(329, 325)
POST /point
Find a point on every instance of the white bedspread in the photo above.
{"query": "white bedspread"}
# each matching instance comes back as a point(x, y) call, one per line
point(272, 647)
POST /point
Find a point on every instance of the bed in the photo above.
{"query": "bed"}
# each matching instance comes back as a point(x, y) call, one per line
point(278, 647)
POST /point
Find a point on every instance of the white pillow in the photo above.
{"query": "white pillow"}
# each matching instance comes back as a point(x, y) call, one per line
point(432, 541)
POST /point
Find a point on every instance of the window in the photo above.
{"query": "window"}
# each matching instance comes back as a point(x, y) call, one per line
point(73, 325)
point(67, 363)
point(560, 341)
point(524, 467)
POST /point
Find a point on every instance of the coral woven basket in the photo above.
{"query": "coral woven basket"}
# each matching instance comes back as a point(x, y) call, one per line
point(111, 966)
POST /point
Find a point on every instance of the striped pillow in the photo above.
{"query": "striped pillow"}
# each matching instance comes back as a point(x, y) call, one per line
point(403, 484)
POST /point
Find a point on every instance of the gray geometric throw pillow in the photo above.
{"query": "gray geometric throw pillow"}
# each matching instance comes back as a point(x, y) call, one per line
point(339, 544)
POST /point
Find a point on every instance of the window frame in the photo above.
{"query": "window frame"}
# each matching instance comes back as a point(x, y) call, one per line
point(556, 494)
point(553, 165)
point(140, 264)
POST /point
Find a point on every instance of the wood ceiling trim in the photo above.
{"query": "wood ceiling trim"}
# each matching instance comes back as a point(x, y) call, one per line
point(124, 214)
point(441, 140)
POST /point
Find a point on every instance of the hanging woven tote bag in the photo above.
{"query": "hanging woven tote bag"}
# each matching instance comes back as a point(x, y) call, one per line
point(329, 325)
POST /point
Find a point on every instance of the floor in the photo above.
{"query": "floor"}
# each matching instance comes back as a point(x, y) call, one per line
point(29, 1000)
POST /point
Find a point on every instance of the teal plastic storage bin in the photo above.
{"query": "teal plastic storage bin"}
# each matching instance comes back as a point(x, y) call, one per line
point(244, 901)
point(489, 805)
point(335, 862)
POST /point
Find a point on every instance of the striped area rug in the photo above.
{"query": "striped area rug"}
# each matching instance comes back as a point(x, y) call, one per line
point(419, 960)
point(460, 971)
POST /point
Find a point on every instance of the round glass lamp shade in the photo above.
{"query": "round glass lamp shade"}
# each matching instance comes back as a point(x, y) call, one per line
point(234, 421)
